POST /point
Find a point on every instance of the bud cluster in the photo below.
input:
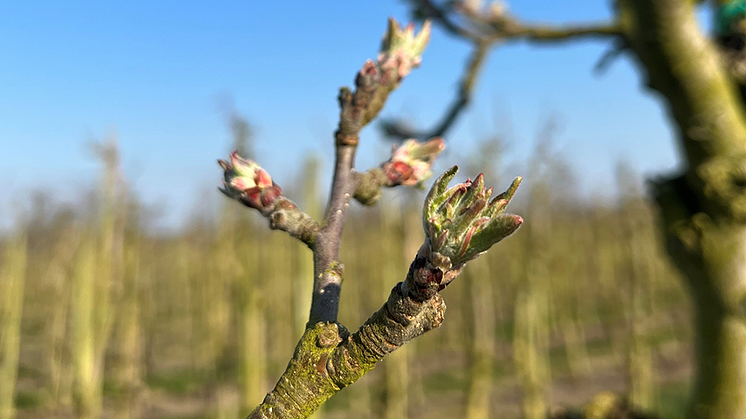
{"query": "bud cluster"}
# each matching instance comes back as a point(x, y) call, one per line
point(401, 50)
point(462, 222)
point(246, 181)
point(410, 163)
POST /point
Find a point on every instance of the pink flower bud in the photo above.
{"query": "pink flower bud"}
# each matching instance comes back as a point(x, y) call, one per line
point(411, 162)
point(246, 181)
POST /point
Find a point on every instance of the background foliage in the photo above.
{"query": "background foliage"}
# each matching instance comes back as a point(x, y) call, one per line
point(200, 322)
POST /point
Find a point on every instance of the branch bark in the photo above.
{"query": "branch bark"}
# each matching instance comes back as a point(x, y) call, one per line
point(704, 208)
point(285, 215)
point(510, 29)
point(369, 186)
point(328, 358)
point(328, 268)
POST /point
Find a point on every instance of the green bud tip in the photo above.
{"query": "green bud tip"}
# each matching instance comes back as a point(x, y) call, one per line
point(461, 222)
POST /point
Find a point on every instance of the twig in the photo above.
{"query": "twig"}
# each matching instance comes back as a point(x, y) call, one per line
point(327, 266)
point(328, 358)
point(248, 183)
point(509, 29)
point(338, 358)
point(395, 129)
point(286, 216)
point(489, 30)
point(409, 165)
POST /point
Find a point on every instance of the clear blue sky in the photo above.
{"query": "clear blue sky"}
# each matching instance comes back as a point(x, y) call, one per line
point(153, 71)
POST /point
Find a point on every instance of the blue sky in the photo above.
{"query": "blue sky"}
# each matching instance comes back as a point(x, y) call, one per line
point(154, 72)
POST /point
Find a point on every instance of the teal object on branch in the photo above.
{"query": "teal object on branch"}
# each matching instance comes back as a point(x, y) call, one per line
point(727, 13)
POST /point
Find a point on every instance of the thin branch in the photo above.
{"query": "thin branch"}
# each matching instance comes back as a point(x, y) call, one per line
point(489, 30)
point(498, 24)
point(509, 29)
point(609, 56)
point(327, 266)
point(396, 129)
point(285, 215)
point(400, 51)
point(486, 27)
point(248, 183)
point(369, 186)
point(466, 88)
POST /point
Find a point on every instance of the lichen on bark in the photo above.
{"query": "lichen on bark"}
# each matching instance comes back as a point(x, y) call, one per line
point(329, 358)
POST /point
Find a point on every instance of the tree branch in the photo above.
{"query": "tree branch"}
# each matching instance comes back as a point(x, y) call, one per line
point(400, 51)
point(328, 358)
point(285, 215)
point(396, 129)
point(460, 225)
point(369, 186)
point(409, 165)
point(510, 29)
point(248, 183)
point(327, 266)
point(498, 25)
point(490, 28)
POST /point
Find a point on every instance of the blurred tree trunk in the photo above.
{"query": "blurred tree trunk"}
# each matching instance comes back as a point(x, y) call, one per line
point(569, 288)
point(529, 346)
point(639, 354)
point(151, 303)
point(636, 254)
point(226, 292)
point(703, 209)
point(12, 281)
